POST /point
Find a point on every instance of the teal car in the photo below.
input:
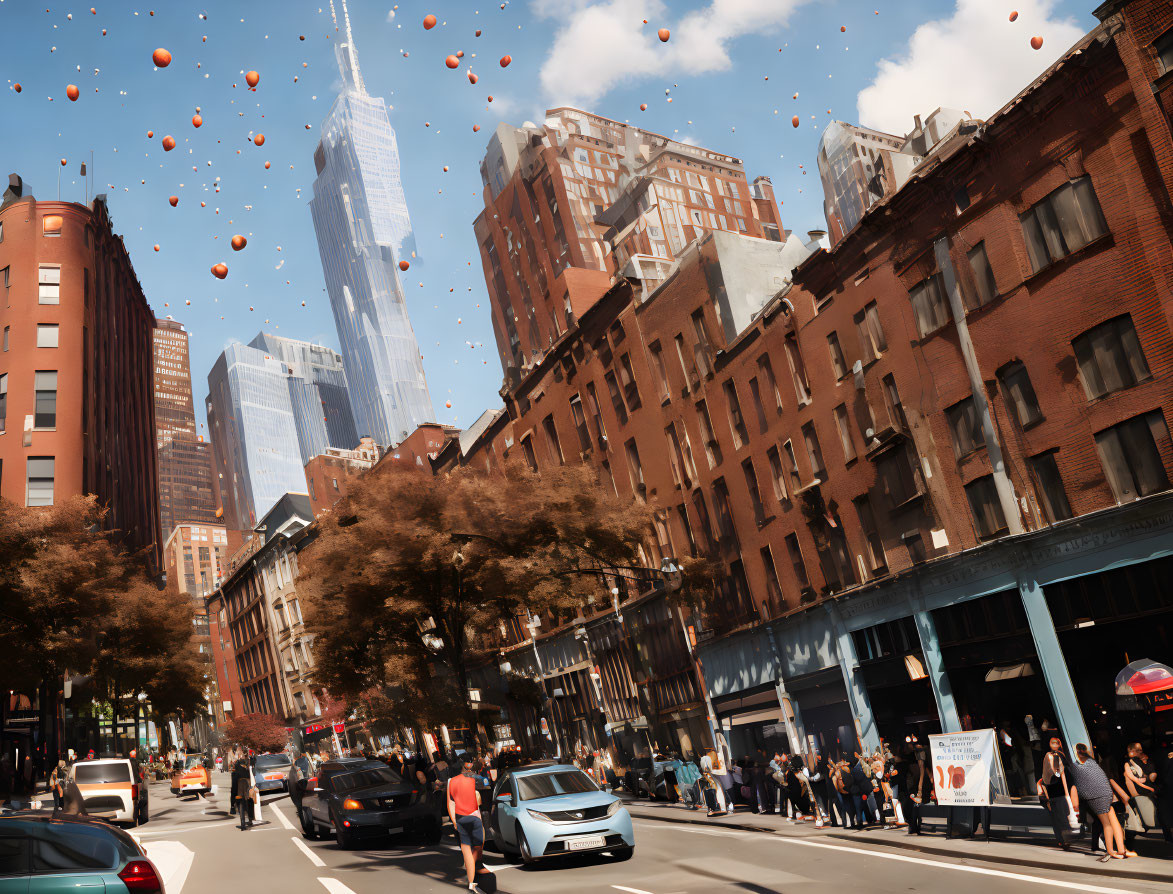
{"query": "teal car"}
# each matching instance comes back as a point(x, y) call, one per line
point(43, 854)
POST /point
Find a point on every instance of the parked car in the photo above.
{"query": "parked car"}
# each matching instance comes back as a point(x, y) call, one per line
point(546, 810)
point(111, 788)
point(191, 777)
point(270, 772)
point(71, 853)
point(357, 798)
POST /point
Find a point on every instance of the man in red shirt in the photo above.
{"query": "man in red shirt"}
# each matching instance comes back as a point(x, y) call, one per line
point(464, 809)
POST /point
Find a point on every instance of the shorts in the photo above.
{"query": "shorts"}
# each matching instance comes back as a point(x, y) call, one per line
point(470, 830)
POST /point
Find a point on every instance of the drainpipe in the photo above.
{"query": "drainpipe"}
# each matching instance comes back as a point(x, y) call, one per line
point(1005, 490)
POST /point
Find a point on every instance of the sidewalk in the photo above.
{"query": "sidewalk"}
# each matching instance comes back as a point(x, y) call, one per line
point(1017, 849)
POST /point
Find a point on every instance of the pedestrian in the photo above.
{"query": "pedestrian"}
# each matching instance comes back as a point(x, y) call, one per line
point(861, 790)
point(243, 793)
point(1090, 784)
point(1053, 790)
point(894, 774)
point(1140, 779)
point(687, 777)
point(918, 784)
point(58, 780)
point(464, 809)
point(710, 788)
point(72, 802)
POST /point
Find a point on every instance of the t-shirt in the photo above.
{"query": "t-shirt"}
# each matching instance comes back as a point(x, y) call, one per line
point(463, 792)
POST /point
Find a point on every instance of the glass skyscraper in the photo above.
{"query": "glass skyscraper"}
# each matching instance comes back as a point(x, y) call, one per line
point(364, 230)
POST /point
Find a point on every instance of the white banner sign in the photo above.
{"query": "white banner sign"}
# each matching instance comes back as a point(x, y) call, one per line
point(963, 766)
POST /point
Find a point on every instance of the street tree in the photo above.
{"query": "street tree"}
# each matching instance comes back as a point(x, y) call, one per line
point(260, 732)
point(410, 571)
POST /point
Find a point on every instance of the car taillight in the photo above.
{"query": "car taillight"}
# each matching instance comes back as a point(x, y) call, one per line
point(312, 782)
point(351, 804)
point(139, 875)
point(134, 791)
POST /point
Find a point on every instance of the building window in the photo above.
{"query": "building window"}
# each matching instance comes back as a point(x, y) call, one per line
point(756, 393)
point(872, 342)
point(791, 463)
point(313, 494)
point(895, 407)
point(552, 440)
point(814, 451)
point(527, 449)
point(630, 390)
point(724, 511)
point(929, 305)
point(3, 400)
point(1049, 487)
point(702, 514)
point(682, 511)
point(52, 224)
point(335, 480)
point(46, 335)
point(49, 285)
point(755, 494)
point(1065, 221)
point(983, 275)
point(5, 344)
point(679, 340)
point(965, 428)
point(1131, 458)
point(838, 361)
point(797, 371)
point(596, 411)
point(40, 481)
point(1020, 394)
point(635, 470)
point(736, 420)
point(616, 397)
point(773, 587)
point(580, 423)
point(871, 535)
point(1110, 357)
point(987, 511)
point(795, 553)
point(844, 427)
point(767, 371)
point(682, 471)
point(712, 447)
point(901, 476)
point(45, 385)
point(1163, 46)
point(915, 545)
point(661, 372)
point(777, 476)
point(704, 348)
point(834, 557)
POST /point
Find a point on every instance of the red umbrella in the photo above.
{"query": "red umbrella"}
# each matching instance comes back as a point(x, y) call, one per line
point(1145, 678)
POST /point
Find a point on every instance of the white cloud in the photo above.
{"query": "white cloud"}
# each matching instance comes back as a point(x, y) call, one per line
point(603, 44)
point(976, 60)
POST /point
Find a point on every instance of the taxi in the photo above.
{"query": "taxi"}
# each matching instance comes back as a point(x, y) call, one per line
point(192, 778)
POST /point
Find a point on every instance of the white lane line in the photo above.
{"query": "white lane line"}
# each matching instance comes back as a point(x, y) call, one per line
point(631, 890)
point(281, 817)
point(334, 886)
point(496, 867)
point(997, 873)
point(728, 833)
point(313, 858)
point(193, 827)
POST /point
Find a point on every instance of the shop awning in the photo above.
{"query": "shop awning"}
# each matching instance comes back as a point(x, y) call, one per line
point(773, 715)
point(1009, 672)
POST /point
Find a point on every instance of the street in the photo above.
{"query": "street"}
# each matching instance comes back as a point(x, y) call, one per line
point(198, 849)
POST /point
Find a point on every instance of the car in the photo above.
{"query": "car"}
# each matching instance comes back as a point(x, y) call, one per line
point(191, 777)
point(270, 772)
point(112, 788)
point(359, 799)
point(552, 809)
point(40, 852)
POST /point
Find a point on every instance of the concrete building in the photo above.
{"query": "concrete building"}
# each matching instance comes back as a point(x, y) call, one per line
point(330, 475)
point(364, 233)
point(572, 202)
point(76, 371)
point(228, 702)
point(935, 465)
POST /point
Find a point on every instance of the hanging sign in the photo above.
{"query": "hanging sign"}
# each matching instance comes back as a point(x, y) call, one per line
point(964, 765)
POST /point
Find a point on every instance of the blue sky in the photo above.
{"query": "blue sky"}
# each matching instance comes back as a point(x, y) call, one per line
point(728, 66)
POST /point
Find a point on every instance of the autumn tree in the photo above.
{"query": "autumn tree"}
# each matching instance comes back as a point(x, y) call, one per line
point(410, 570)
point(260, 732)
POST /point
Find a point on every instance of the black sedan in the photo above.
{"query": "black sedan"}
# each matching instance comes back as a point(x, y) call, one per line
point(357, 798)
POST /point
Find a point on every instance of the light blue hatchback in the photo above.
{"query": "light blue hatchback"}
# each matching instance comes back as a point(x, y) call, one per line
point(548, 809)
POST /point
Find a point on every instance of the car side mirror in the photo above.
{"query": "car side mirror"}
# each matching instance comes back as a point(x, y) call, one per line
point(504, 798)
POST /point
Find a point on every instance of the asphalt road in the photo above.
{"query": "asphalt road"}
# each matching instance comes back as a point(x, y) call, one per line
point(199, 850)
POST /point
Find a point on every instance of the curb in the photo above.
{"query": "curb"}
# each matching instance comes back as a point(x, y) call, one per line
point(920, 848)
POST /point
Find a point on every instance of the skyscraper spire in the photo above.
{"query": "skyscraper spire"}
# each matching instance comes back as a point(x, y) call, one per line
point(346, 53)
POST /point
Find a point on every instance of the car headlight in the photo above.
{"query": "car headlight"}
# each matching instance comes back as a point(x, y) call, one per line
point(614, 808)
point(538, 815)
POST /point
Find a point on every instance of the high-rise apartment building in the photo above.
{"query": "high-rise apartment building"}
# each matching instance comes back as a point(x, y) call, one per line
point(76, 372)
point(580, 198)
point(364, 230)
point(185, 461)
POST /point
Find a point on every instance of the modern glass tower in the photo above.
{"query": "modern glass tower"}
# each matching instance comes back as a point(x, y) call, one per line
point(364, 230)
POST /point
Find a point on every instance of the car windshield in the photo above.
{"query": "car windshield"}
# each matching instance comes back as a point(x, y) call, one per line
point(194, 761)
point(560, 782)
point(92, 774)
point(346, 782)
point(272, 761)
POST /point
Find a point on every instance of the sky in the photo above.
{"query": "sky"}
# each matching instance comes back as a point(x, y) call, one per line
point(731, 77)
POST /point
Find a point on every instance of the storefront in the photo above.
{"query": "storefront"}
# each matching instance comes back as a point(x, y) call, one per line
point(752, 722)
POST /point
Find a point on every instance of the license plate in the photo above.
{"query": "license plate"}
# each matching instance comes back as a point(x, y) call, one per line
point(586, 843)
point(271, 778)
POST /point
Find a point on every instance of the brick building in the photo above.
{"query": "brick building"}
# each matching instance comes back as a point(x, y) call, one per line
point(76, 376)
point(934, 460)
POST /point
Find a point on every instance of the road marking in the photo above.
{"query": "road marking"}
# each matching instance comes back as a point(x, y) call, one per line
point(281, 817)
point(173, 860)
point(723, 832)
point(313, 858)
point(193, 827)
point(496, 867)
point(998, 873)
point(334, 886)
point(631, 890)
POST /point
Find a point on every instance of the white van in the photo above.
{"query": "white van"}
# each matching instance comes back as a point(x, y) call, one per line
point(111, 789)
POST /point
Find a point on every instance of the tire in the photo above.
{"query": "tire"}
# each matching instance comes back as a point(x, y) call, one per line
point(308, 829)
point(524, 852)
point(622, 854)
point(143, 814)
